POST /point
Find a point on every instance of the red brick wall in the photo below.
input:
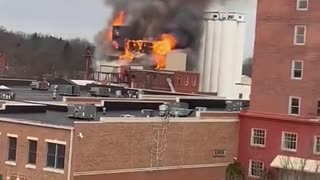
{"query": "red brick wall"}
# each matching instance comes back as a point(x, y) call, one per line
point(111, 146)
point(214, 173)
point(274, 52)
point(42, 133)
point(274, 128)
point(186, 82)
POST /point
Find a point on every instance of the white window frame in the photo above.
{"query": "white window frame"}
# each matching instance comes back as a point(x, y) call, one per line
point(315, 145)
point(302, 9)
point(290, 105)
point(293, 69)
point(304, 35)
point(252, 138)
point(283, 148)
point(250, 170)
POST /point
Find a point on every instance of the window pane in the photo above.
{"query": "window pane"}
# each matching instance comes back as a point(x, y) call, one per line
point(295, 110)
point(32, 158)
point(297, 74)
point(300, 31)
point(61, 150)
point(32, 146)
point(297, 65)
point(295, 102)
point(51, 149)
point(12, 142)
point(60, 163)
point(12, 149)
point(51, 161)
point(12, 155)
point(303, 4)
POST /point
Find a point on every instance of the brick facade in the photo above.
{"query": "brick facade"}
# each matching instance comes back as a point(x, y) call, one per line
point(34, 130)
point(126, 145)
point(274, 51)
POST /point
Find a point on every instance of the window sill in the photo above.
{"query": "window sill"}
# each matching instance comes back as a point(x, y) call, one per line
point(258, 146)
point(31, 166)
point(59, 171)
point(290, 150)
point(11, 163)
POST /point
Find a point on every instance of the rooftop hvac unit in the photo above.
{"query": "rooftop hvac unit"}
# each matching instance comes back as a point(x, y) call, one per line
point(68, 90)
point(82, 112)
point(234, 106)
point(100, 91)
point(175, 110)
point(9, 96)
point(147, 112)
point(40, 85)
point(201, 109)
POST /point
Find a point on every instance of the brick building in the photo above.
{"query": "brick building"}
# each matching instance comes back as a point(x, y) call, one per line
point(279, 133)
point(46, 144)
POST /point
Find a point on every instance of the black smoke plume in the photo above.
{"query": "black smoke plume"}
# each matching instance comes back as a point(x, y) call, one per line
point(149, 19)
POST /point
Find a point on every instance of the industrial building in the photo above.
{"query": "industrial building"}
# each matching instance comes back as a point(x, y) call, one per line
point(117, 137)
point(222, 55)
point(279, 134)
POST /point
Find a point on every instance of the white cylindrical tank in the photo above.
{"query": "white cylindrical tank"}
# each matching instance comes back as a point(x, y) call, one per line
point(239, 54)
point(216, 56)
point(208, 56)
point(226, 76)
point(202, 55)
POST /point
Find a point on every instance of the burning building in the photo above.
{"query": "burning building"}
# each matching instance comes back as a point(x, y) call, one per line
point(153, 29)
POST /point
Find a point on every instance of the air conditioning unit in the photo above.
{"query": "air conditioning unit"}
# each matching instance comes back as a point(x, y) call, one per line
point(88, 112)
point(147, 112)
point(68, 90)
point(100, 91)
point(40, 85)
point(234, 106)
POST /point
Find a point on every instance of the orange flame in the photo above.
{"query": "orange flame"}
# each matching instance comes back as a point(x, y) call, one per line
point(118, 21)
point(160, 49)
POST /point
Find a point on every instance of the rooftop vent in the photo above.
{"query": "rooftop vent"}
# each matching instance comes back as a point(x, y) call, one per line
point(147, 112)
point(234, 106)
point(100, 91)
point(68, 90)
point(82, 111)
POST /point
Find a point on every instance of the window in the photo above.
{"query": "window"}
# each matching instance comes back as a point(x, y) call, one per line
point(302, 5)
point(294, 106)
point(12, 151)
point(187, 81)
point(318, 108)
point(256, 168)
point(55, 156)
point(32, 155)
point(258, 137)
point(240, 95)
point(194, 82)
point(316, 145)
point(289, 141)
point(300, 35)
point(179, 80)
point(297, 69)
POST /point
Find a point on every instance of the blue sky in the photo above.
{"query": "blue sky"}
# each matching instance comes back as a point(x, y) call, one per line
point(84, 18)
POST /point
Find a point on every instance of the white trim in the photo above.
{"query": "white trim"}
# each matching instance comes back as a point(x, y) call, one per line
point(32, 138)
point(157, 119)
point(290, 103)
point(55, 141)
point(250, 170)
point(12, 135)
point(302, 9)
point(30, 166)
point(70, 155)
point(252, 141)
point(295, 35)
point(315, 145)
point(32, 123)
point(282, 142)
point(84, 173)
point(11, 163)
point(293, 69)
point(59, 171)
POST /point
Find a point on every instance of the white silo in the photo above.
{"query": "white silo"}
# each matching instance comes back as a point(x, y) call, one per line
point(240, 43)
point(216, 56)
point(226, 76)
point(208, 56)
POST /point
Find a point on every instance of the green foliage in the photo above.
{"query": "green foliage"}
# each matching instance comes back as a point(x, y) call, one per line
point(32, 55)
point(234, 171)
